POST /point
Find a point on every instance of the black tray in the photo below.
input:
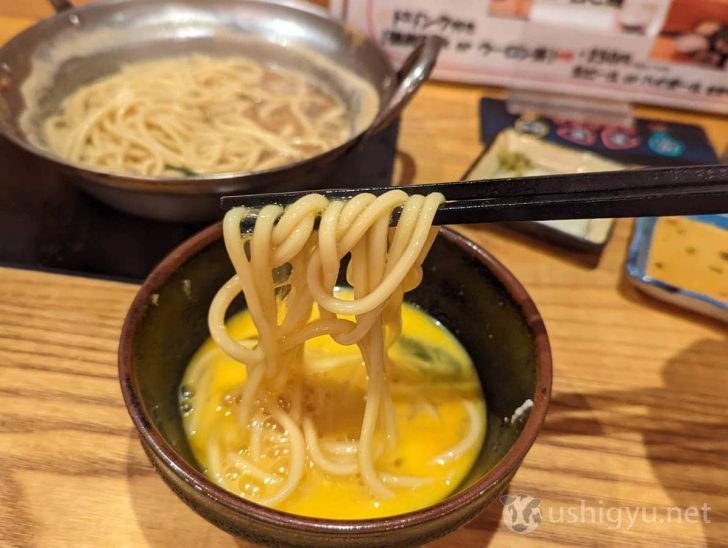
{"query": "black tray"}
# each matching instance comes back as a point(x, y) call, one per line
point(48, 223)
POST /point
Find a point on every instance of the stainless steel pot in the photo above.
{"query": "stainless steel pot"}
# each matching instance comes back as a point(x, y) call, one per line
point(42, 65)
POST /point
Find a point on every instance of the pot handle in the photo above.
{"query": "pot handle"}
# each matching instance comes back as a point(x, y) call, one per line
point(61, 5)
point(414, 71)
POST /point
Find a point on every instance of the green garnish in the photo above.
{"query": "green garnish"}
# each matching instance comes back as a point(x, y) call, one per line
point(186, 171)
point(427, 355)
point(515, 162)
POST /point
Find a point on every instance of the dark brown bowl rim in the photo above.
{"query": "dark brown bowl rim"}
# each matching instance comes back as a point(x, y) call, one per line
point(191, 476)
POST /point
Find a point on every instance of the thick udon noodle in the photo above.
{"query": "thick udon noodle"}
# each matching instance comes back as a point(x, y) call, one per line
point(384, 264)
point(197, 115)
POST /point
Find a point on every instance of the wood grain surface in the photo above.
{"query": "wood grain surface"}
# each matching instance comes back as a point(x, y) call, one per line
point(638, 421)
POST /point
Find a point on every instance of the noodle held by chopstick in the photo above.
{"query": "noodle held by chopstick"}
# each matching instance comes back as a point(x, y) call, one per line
point(384, 264)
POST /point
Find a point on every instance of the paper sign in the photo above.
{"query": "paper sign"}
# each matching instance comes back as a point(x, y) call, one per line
point(650, 51)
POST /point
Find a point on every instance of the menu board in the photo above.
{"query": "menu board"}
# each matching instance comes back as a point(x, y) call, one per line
point(672, 53)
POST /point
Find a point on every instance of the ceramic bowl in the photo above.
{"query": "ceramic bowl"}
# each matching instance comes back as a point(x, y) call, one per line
point(464, 287)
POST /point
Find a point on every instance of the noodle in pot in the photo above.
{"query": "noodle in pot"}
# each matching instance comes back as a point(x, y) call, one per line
point(278, 406)
point(197, 115)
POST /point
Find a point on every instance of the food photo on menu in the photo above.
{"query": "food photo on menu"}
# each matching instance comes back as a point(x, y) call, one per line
point(373, 272)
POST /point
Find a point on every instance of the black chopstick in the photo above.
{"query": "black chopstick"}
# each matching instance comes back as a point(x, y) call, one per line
point(690, 190)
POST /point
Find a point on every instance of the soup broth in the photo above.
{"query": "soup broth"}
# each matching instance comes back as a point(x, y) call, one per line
point(197, 115)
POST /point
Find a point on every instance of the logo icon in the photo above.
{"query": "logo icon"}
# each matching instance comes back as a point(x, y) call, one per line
point(664, 144)
point(532, 124)
point(579, 135)
point(615, 138)
point(521, 513)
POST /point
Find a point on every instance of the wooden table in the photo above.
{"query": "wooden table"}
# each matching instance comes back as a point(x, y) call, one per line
point(638, 417)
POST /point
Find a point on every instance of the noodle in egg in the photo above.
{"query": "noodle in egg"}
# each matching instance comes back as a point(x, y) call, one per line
point(275, 405)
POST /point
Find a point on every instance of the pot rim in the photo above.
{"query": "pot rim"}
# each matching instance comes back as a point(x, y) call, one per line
point(205, 183)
